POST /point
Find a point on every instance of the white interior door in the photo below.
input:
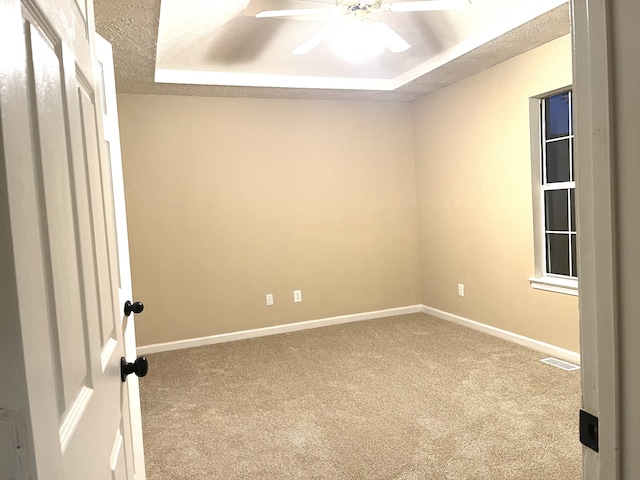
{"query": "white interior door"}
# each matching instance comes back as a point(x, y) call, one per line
point(70, 416)
point(113, 152)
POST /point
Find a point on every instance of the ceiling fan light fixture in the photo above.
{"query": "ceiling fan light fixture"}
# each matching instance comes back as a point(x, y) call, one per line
point(358, 39)
point(357, 35)
point(355, 6)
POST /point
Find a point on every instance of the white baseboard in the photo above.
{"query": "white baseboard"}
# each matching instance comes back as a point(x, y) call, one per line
point(546, 348)
point(261, 332)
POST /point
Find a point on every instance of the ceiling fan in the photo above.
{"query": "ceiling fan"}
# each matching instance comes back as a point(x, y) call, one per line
point(360, 15)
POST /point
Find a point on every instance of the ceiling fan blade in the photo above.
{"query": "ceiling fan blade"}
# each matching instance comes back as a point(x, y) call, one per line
point(256, 6)
point(312, 42)
point(425, 5)
point(294, 12)
point(394, 42)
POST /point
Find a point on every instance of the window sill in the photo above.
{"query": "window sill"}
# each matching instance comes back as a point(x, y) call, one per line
point(558, 285)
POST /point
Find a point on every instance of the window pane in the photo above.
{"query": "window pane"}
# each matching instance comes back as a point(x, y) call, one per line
point(574, 256)
point(556, 210)
point(557, 115)
point(558, 161)
point(558, 253)
point(572, 193)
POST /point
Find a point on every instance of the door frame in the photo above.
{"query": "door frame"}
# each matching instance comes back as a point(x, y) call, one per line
point(595, 217)
point(606, 75)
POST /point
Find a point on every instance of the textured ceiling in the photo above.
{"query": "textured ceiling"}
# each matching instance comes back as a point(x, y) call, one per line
point(132, 27)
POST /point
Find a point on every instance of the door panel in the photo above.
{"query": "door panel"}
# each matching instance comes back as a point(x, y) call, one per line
point(111, 215)
point(105, 280)
point(59, 195)
point(67, 327)
point(66, 319)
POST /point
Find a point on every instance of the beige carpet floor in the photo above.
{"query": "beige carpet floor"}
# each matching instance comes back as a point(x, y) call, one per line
point(403, 398)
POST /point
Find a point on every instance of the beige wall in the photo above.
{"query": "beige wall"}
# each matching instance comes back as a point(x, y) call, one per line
point(473, 168)
point(230, 199)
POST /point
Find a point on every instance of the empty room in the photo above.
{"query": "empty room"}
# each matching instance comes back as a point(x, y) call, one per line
point(341, 239)
point(251, 217)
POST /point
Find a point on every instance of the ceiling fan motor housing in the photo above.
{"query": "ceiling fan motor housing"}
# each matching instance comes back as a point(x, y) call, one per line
point(355, 6)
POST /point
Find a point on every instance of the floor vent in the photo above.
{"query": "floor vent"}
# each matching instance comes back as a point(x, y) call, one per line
point(560, 364)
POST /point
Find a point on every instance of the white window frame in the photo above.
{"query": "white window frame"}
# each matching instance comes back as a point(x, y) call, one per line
point(543, 280)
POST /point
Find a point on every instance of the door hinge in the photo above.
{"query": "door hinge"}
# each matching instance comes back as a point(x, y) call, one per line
point(589, 430)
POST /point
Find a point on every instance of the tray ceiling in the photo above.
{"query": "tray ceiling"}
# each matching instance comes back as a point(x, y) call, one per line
point(206, 48)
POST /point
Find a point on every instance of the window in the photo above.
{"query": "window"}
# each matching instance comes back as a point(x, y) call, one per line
point(554, 194)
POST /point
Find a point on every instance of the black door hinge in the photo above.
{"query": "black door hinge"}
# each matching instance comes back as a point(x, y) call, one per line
point(589, 430)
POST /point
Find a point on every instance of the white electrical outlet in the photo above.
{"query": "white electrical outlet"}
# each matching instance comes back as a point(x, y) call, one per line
point(297, 296)
point(461, 289)
point(269, 298)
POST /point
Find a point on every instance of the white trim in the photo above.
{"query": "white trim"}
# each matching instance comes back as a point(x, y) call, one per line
point(558, 185)
point(568, 286)
point(276, 329)
point(192, 77)
point(546, 348)
point(539, 186)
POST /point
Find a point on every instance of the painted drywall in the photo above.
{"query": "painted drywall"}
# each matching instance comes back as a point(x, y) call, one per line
point(473, 177)
point(231, 199)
